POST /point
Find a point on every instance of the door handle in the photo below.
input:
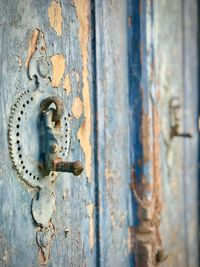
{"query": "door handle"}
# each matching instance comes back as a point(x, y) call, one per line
point(51, 118)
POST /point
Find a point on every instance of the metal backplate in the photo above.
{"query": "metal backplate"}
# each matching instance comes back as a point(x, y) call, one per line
point(26, 137)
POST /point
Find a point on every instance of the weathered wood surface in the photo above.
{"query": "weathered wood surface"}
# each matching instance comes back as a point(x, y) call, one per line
point(116, 66)
point(162, 65)
point(113, 159)
point(67, 31)
point(175, 25)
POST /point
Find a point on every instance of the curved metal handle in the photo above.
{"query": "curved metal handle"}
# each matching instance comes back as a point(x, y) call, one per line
point(44, 106)
point(53, 162)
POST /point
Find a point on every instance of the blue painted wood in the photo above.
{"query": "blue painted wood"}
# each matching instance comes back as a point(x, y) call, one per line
point(113, 132)
point(135, 97)
point(190, 123)
point(137, 61)
point(162, 65)
point(18, 245)
point(179, 221)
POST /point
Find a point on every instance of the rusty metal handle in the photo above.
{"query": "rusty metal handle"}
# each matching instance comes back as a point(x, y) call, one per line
point(53, 161)
point(45, 104)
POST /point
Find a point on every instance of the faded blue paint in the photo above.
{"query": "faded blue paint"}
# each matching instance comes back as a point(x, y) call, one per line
point(135, 99)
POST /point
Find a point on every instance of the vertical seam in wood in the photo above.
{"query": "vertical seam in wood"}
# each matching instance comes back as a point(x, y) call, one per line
point(95, 122)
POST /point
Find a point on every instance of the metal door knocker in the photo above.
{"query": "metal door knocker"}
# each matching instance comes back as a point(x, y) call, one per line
point(39, 142)
point(51, 118)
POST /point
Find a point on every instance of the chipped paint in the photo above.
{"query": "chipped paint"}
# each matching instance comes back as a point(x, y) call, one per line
point(84, 132)
point(145, 239)
point(90, 210)
point(65, 194)
point(77, 107)
point(55, 17)
point(19, 60)
point(58, 62)
point(32, 46)
point(77, 77)
point(67, 84)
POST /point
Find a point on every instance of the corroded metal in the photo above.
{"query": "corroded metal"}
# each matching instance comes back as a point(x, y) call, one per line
point(175, 107)
point(75, 167)
point(58, 112)
point(51, 119)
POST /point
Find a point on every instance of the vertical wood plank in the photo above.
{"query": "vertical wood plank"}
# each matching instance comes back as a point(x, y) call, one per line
point(113, 132)
point(162, 66)
point(145, 135)
point(190, 124)
point(176, 76)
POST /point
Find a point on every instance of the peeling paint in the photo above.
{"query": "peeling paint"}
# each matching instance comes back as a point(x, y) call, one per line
point(90, 210)
point(58, 62)
point(145, 239)
point(55, 17)
point(84, 132)
point(77, 77)
point(32, 45)
point(19, 60)
point(67, 84)
point(77, 107)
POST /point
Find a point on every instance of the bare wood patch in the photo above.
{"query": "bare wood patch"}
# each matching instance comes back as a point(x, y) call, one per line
point(67, 84)
point(58, 62)
point(84, 132)
point(90, 210)
point(55, 17)
point(77, 107)
point(32, 45)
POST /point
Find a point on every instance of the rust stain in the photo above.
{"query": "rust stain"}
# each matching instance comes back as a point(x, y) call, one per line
point(90, 210)
point(58, 62)
point(145, 240)
point(67, 84)
point(84, 132)
point(130, 21)
point(44, 251)
point(55, 16)
point(42, 258)
point(145, 138)
point(157, 172)
point(77, 107)
point(32, 46)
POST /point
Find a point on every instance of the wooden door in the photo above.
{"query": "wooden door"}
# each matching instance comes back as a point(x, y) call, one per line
point(61, 48)
point(116, 66)
point(163, 80)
